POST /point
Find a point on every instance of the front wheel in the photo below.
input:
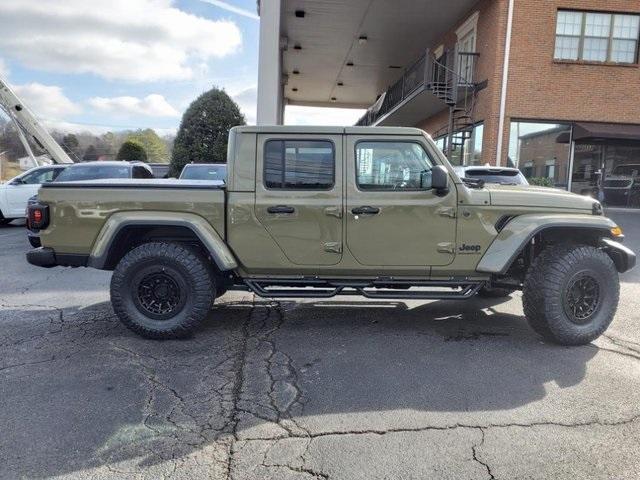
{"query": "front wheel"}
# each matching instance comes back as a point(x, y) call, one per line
point(162, 290)
point(571, 293)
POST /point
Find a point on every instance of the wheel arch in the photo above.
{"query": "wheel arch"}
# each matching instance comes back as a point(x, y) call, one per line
point(519, 231)
point(125, 230)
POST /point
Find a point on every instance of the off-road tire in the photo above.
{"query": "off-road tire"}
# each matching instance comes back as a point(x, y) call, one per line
point(494, 292)
point(4, 221)
point(183, 278)
point(549, 294)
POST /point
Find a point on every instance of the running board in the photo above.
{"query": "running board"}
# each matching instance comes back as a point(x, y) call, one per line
point(377, 289)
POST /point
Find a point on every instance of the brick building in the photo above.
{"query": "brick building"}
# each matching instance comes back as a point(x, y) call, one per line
point(549, 86)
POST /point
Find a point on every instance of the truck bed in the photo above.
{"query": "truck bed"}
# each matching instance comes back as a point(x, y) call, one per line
point(79, 210)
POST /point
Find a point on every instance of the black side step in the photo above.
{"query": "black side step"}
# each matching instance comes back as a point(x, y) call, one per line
point(378, 289)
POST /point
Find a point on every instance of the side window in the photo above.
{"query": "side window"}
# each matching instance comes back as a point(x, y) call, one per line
point(40, 176)
point(392, 166)
point(299, 164)
point(141, 172)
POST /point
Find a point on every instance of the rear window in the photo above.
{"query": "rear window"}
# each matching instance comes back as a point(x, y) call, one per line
point(204, 172)
point(504, 177)
point(299, 164)
point(93, 172)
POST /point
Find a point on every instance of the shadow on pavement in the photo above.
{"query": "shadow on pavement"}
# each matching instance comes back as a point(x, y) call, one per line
point(80, 391)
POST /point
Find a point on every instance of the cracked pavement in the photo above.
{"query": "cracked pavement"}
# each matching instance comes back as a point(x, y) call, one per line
point(337, 389)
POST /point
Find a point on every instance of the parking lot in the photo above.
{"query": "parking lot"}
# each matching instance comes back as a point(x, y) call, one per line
point(331, 389)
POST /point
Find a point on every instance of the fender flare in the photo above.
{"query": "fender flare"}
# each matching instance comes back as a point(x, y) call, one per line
point(209, 237)
point(520, 230)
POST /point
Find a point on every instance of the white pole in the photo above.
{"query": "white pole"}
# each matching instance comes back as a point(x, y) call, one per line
point(505, 79)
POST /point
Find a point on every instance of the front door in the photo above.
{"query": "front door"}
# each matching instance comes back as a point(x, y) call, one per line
point(299, 196)
point(18, 193)
point(393, 217)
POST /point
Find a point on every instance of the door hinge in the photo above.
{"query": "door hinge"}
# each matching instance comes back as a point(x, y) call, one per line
point(333, 211)
point(333, 247)
point(446, 247)
point(447, 212)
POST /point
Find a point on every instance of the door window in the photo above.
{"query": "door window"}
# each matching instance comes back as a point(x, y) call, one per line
point(392, 166)
point(141, 172)
point(299, 164)
point(40, 176)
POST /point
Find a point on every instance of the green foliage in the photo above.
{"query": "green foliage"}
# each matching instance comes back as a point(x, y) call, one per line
point(90, 154)
point(132, 151)
point(153, 145)
point(540, 181)
point(71, 145)
point(204, 130)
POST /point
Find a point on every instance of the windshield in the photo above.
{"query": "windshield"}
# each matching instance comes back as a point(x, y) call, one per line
point(502, 177)
point(631, 170)
point(204, 172)
point(94, 172)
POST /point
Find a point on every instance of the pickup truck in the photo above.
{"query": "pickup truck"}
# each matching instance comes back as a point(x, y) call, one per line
point(318, 212)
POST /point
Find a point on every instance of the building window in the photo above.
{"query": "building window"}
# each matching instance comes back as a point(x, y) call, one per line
point(541, 151)
point(466, 146)
point(299, 164)
point(597, 37)
point(392, 166)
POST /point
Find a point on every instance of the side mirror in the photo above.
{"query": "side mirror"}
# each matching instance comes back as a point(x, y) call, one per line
point(440, 180)
point(17, 181)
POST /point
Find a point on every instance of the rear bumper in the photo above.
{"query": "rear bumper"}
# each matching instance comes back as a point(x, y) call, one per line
point(623, 257)
point(42, 257)
point(47, 258)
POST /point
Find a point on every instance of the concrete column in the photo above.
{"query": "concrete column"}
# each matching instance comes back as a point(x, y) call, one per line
point(270, 92)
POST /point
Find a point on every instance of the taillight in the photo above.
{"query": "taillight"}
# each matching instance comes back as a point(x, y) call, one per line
point(38, 216)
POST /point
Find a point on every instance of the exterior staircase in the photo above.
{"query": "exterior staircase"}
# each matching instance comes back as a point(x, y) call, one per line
point(450, 78)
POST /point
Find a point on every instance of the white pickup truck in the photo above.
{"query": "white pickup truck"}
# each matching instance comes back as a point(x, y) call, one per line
point(15, 193)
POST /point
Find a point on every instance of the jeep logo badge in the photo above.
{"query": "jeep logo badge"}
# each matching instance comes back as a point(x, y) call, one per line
point(464, 248)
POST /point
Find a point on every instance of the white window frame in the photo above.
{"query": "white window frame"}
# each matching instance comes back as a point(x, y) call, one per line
point(470, 26)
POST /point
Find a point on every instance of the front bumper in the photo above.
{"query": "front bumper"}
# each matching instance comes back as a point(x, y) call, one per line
point(623, 257)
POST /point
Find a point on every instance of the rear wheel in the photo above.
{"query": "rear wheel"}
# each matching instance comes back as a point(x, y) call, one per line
point(162, 290)
point(571, 293)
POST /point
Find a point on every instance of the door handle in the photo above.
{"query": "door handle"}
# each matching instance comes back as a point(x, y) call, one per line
point(281, 209)
point(365, 210)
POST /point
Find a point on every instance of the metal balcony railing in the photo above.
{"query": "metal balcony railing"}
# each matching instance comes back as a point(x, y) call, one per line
point(450, 81)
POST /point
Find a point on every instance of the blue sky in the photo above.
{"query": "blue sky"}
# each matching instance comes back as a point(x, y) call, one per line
point(128, 64)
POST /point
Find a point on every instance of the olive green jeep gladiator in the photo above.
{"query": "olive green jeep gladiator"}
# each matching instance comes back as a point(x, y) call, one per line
point(324, 211)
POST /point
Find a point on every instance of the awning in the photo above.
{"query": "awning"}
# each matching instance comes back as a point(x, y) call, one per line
point(601, 131)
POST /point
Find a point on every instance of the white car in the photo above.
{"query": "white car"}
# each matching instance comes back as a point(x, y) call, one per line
point(15, 193)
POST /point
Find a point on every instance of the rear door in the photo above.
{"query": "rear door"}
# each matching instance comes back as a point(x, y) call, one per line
point(393, 217)
point(299, 196)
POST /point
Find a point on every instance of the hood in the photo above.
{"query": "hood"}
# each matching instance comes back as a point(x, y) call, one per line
point(528, 196)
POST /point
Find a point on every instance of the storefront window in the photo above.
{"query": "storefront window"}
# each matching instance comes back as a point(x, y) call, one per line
point(541, 151)
point(467, 150)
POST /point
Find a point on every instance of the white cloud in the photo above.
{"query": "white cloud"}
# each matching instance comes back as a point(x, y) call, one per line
point(46, 100)
point(141, 40)
point(296, 115)
point(153, 105)
point(247, 100)
point(232, 8)
point(4, 69)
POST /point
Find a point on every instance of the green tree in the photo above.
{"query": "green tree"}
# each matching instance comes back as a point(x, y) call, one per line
point(90, 154)
point(204, 130)
point(132, 151)
point(155, 147)
point(71, 145)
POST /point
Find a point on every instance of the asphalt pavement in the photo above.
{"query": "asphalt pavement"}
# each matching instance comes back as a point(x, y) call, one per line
point(331, 389)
